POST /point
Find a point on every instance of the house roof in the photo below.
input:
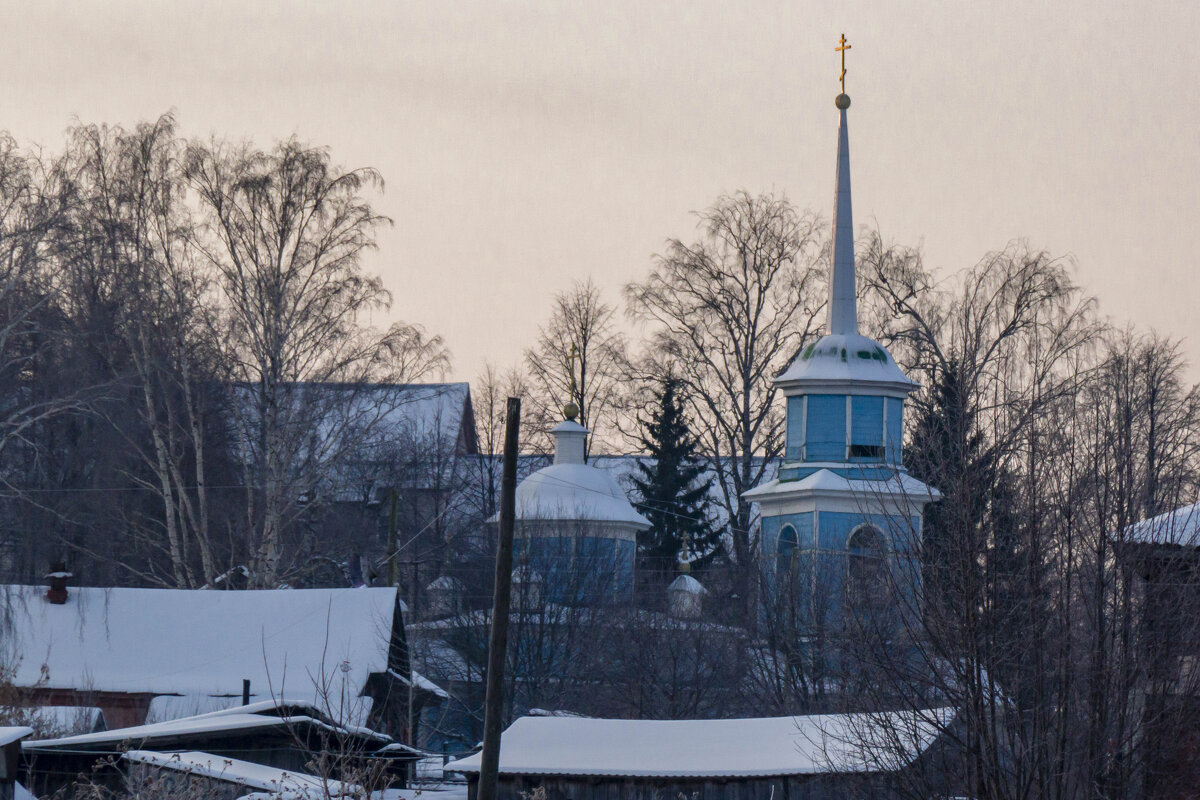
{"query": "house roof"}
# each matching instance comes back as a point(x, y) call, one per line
point(719, 748)
point(289, 642)
point(844, 360)
point(1179, 527)
point(244, 773)
point(13, 733)
point(256, 717)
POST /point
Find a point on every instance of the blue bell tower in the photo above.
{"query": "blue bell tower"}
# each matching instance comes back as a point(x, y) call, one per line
point(841, 525)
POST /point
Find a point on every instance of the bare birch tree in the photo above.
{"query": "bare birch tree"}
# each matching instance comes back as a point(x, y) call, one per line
point(286, 231)
point(579, 357)
point(727, 314)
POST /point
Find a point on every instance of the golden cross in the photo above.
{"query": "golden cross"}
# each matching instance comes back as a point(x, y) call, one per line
point(844, 47)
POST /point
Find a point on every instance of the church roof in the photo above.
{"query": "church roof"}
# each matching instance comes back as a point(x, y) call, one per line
point(825, 481)
point(575, 492)
point(840, 358)
point(844, 355)
point(686, 583)
point(570, 490)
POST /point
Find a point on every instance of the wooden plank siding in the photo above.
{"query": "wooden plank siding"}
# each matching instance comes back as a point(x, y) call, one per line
point(797, 787)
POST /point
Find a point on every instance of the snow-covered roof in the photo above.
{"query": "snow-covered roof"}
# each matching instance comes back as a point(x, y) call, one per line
point(69, 719)
point(1179, 527)
point(575, 492)
point(446, 582)
point(688, 584)
point(260, 716)
point(13, 733)
point(841, 358)
point(244, 773)
point(421, 683)
point(827, 482)
point(197, 642)
point(716, 748)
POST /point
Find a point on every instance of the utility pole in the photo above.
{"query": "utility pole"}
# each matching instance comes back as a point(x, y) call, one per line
point(498, 640)
point(393, 572)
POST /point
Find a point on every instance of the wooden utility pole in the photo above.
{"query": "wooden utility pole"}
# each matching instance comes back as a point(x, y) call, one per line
point(501, 600)
point(393, 571)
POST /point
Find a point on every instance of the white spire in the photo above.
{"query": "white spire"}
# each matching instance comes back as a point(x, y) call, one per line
point(843, 306)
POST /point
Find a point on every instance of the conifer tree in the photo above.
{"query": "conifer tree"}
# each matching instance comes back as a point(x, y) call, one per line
point(673, 488)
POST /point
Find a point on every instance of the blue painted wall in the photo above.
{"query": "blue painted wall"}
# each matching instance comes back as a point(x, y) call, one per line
point(580, 570)
point(866, 425)
point(821, 435)
point(826, 429)
point(895, 427)
point(795, 428)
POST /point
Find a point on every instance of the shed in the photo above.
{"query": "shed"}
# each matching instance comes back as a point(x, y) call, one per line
point(10, 751)
point(725, 759)
point(282, 736)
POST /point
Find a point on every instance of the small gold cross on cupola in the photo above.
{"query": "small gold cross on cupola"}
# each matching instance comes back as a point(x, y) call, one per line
point(843, 99)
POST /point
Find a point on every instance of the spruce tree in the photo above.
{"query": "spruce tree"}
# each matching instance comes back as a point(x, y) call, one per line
point(673, 488)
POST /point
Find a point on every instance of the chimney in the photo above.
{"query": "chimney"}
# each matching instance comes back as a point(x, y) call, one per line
point(58, 577)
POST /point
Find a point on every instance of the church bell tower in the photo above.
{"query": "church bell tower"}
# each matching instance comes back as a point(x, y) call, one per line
point(841, 525)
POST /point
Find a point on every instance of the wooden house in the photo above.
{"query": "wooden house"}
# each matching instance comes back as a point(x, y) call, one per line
point(343, 651)
point(1160, 557)
point(786, 758)
point(282, 737)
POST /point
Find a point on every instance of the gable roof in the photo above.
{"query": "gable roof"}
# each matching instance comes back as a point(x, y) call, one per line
point(254, 718)
point(1179, 527)
point(714, 748)
point(198, 642)
point(278, 782)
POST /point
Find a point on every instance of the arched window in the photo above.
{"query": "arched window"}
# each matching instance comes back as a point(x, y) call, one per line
point(867, 564)
point(785, 552)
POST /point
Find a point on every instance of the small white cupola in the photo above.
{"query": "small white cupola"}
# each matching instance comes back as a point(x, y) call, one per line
point(685, 597)
point(570, 439)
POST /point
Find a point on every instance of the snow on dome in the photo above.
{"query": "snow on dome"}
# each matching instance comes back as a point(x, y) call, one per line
point(575, 492)
point(839, 358)
point(686, 583)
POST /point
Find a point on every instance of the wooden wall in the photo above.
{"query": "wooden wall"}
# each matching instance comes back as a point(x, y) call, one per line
point(809, 787)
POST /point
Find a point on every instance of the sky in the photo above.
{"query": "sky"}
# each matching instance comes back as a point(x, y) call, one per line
point(526, 146)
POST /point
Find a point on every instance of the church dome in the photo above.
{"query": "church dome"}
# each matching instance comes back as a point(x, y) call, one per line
point(575, 492)
point(571, 491)
point(840, 358)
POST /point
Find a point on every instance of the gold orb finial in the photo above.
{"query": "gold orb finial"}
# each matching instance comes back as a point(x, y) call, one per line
point(570, 411)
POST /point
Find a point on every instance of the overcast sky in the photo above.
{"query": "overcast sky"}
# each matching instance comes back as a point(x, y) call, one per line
point(526, 146)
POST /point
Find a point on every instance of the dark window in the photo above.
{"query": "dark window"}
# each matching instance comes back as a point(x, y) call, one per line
point(866, 570)
point(785, 553)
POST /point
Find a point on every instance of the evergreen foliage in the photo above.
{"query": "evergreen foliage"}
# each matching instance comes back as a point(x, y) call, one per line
point(673, 489)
